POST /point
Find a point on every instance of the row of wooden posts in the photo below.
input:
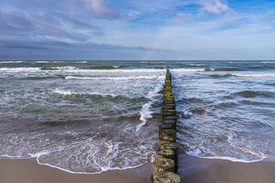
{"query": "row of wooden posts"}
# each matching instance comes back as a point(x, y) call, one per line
point(166, 160)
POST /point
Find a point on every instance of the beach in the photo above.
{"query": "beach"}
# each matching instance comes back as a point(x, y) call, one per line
point(99, 120)
point(197, 170)
point(29, 171)
point(192, 170)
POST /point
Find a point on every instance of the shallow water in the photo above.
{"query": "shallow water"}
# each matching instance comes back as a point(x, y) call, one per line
point(93, 116)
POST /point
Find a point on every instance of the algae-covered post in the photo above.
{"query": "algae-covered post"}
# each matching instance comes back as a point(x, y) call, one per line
point(167, 177)
point(162, 165)
point(166, 159)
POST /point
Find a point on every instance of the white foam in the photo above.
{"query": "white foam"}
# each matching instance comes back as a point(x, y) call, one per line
point(113, 78)
point(145, 112)
point(115, 70)
point(258, 156)
point(187, 113)
point(11, 62)
point(198, 153)
point(233, 159)
point(188, 70)
point(268, 62)
point(21, 69)
point(195, 65)
point(38, 154)
point(41, 62)
point(255, 75)
point(62, 92)
point(13, 157)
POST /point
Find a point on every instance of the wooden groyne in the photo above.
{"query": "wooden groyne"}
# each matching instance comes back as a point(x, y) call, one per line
point(166, 160)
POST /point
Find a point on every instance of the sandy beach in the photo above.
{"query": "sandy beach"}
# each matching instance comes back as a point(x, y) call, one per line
point(29, 171)
point(192, 170)
point(197, 170)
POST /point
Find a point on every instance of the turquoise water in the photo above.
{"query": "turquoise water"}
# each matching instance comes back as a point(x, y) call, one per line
point(93, 116)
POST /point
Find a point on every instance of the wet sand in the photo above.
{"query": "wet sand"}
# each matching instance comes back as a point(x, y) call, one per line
point(198, 170)
point(191, 170)
point(29, 171)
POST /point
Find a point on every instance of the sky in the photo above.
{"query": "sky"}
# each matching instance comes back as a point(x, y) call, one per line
point(137, 30)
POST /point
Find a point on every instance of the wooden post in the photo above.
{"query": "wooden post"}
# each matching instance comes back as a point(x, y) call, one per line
point(163, 139)
point(169, 132)
point(172, 122)
point(167, 177)
point(162, 165)
point(169, 117)
point(163, 127)
point(174, 147)
point(165, 153)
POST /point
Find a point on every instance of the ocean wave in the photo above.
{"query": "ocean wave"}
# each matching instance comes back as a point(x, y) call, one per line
point(145, 112)
point(42, 78)
point(252, 94)
point(227, 69)
point(255, 75)
point(114, 78)
point(42, 62)
point(36, 69)
point(238, 154)
point(102, 67)
point(197, 152)
point(21, 69)
point(11, 62)
point(70, 69)
point(116, 70)
point(188, 70)
point(195, 65)
point(62, 92)
point(268, 62)
point(220, 76)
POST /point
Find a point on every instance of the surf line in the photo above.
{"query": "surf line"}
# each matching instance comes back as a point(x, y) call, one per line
point(166, 159)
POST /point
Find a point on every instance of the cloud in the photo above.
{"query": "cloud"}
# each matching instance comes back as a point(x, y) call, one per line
point(214, 6)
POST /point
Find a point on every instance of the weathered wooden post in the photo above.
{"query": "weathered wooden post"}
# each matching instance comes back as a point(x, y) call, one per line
point(165, 153)
point(169, 132)
point(162, 165)
point(166, 159)
point(163, 139)
point(167, 177)
point(175, 148)
point(163, 127)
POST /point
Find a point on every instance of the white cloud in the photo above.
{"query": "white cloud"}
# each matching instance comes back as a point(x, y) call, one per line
point(214, 6)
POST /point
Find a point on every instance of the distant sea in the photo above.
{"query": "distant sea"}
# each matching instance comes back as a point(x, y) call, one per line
point(93, 116)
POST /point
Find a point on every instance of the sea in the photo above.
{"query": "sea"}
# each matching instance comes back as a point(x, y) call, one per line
point(91, 116)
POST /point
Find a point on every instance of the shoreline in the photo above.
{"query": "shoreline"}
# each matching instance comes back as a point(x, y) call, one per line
point(29, 171)
point(191, 170)
point(198, 170)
